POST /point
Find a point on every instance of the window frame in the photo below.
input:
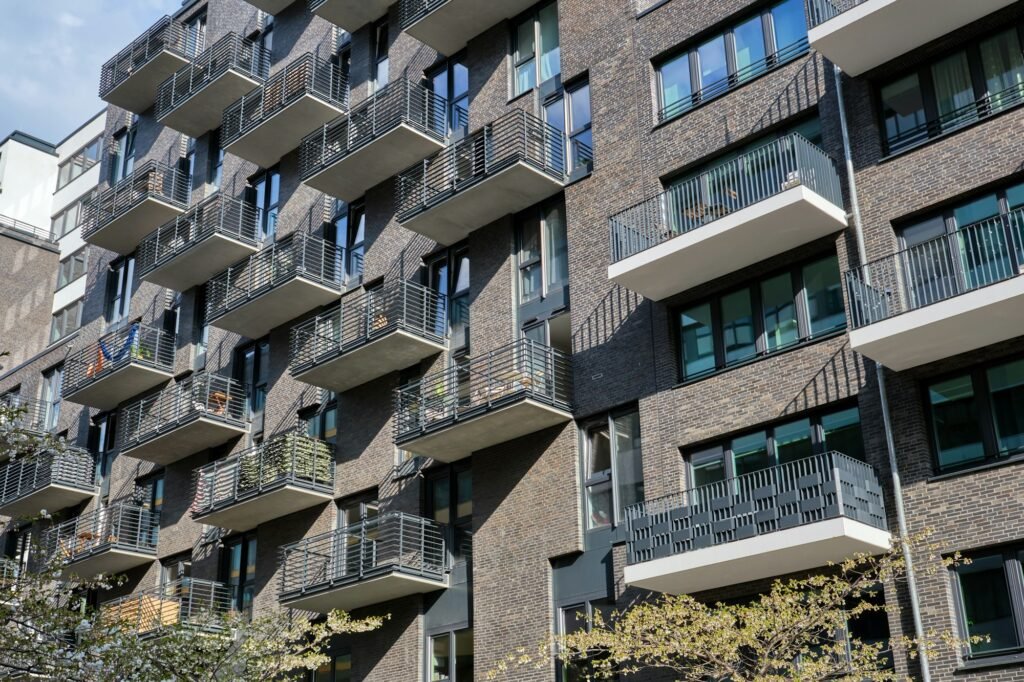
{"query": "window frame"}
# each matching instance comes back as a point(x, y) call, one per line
point(449, 259)
point(317, 417)
point(1013, 570)
point(117, 304)
point(269, 209)
point(610, 476)
point(245, 540)
point(123, 158)
point(51, 394)
point(452, 634)
point(380, 30)
point(78, 206)
point(454, 122)
point(515, 60)
point(79, 257)
point(60, 327)
point(80, 159)
point(254, 388)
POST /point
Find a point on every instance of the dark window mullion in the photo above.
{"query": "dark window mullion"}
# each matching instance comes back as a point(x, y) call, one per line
point(803, 318)
point(730, 56)
point(931, 107)
point(978, 78)
point(983, 402)
point(760, 345)
point(1015, 580)
point(768, 31)
point(718, 332)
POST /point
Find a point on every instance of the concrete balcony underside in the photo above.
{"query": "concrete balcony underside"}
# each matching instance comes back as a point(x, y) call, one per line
point(176, 443)
point(378, 161)
point(109, 391)
point(138, 91)
point(365, 592)
point(750, 235)
point(511, 190)
point(271, 6)
point(203, 110)
point(258, 315)
point(200, 262)
point(448, 28)
point(363, 364)
point(268, 140)
point(248, 512)
point(785, 551)
point(111, 561)
point(941, 330)
point(51, 497)
point(877, 31)
point(124, 233)
point(352, 14)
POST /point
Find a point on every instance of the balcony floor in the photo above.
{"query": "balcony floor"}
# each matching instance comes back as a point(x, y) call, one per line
point(365, 593)
point(112, 389)
point(200, 262)
point(448, 28)
point(124, 233)
point(271, 6)
point(390, 353)
point(137, 93)
point(765, 556)
point(52, 498)
point(283, 131)
point(379, 161)
point(283, 303)
point(108, 562)
point(184, 441)
point(941, 330)
point(253, 511)
point(204, 109)
point(351, 15)
point(768, 228)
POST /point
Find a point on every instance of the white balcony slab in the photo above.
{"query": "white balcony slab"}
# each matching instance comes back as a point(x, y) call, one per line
point(258, 315)
point(366, 593)
point(282, 131)
point(352, 14)
point(185, 440)
point(137, 92)
point(125, 232)
point(363, 364)
point(271, 6)
point(204, 109)
point(110, 390)
point(200, 262)
point(448, 28)
point(52, 498)
point(108, 562)
point(252, 511)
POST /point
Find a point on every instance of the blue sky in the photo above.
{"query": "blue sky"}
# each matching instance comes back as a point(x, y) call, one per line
point(50, 57)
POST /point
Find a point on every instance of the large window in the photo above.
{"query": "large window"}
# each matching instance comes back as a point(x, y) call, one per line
point(66, 320)
point(775, 313)
point(102, 442)
point(451, 656)
point(322, 422)
point(580, 618)
point(214, 159)
point(238, 570)
point(613, 468)
point(124, 154)
point(543, 251)
point(989, 602)
point(449, 501)
point(448, 273)
point(252, 369)
point(120, 279)
point(71, 268)
point(835, 430)
point(337, 669)
point(719, 63)
point(51, 395)
point(348, 231)
point(81, 161)
point(536, 54)
point(451, 81)
point(978, 416)
point(569, 113)
point(381, 62)
point(266, 193)
point(67, 220)
point(980, 80)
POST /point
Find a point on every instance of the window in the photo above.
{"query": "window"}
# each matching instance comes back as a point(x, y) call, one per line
point(720, 63)
point(124, 154)
point(238, 570)
point(195, 34)
point(448, 273)
point(150, 496)
point(613, 468)
point(451, 81)
point(173, 569)
point(200, 330)
point(569, 113)
point(988, 602)
point(381, 63)
point(252, 369)
point(983, 79)
point(773, 314)
point(71, 268)
point(543, 251)
point(215, 159)
point(120, 278)
point(66, 321)
point(81, 161)
point(348, 232)
point(322, 423)
point(51, 395)
point(449, 501)
point(189, 161)
point(102, 434)
point(580, 618)
point(337, 669)
point(451, 656)
point(67, 220)
point(266, 193)
point(536, 53)
point(835, 430)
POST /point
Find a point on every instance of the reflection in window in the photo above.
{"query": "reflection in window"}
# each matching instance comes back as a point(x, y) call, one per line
point(537, 53)
point(613, 468)
point(986, 607)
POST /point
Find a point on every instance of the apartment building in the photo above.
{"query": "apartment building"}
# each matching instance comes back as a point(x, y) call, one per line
point(483, 315)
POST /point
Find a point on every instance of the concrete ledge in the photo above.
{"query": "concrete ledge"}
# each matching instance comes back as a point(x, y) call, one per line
point(203, 110)
point(365, 593)
point(137, 92)
point(252, 511)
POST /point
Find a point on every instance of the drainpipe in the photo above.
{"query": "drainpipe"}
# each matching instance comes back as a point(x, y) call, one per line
point(897, 486)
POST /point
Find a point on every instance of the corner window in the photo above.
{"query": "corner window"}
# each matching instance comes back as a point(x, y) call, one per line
point(536, 52)
point(985, 605)
point(613, 469)
point(451, 656)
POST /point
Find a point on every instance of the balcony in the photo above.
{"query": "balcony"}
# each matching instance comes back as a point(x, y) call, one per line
point(271, 287)
point(48, 480)
point(271, 120)
point(200, 243)
point(193, 100)
point(120, 217)
point(764, 203)
point(370, 335)
point(447, 25)
point(34, 416)
point(185, 603)
point(201, 412)
point(859, 35)
point(350, 14)
point(943, 297)
point(119, 366)
point(271, 6)
point(792, 517)
point(493, 398)
point(130, 80)
point(386, 557)
point(37, 235)
point(287, 474)
point(397, 126)
point(109, 540)
point(506, 166)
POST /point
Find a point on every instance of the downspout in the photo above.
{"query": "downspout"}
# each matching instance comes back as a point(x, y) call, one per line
point(890, 443)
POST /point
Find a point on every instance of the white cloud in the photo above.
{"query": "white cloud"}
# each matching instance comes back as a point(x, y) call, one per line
point(69, 20)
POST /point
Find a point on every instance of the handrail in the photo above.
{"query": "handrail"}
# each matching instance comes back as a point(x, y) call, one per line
point(135, 344)
point(119, 526)
point(151, 180)
point(165, 34)
point(184, 602)
point(73, 468)
point(31, 230)
point(33, 415)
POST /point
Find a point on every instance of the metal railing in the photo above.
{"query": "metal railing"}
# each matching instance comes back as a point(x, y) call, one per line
point(818, 488)
point(973, 257)
point(207, 396)
point(290, 459)
point(217, 215)
point(411, 11)
point(132, 345)
point(25, 228)
point(820, 11)
point(776, 167)
point(120, 526)
point(516, 137)
point(36, 416)
point(393, 542)
point(186, 602)
point(151, 180)
point(307, 75)
point(230, 52)
point(522, 370)
point(165, 34)
point(298, 255)
point(72, 468)
point(357, 320)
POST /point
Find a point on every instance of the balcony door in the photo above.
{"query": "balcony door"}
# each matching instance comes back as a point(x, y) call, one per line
point(358, 542)
point(238, 571)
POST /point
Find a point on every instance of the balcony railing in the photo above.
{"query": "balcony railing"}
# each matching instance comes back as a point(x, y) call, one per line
point(358, 320)
point(522, 370)
point(166, 34)
point(132, 345)
point(973, 257)
point(307, 75)
point(25, 228)
point(411, 11)
point(151, 180)
point(516, 137)
point(392, 543)
point(117, 527)
point(292, 459)
point(776, 167)
point(36, 416)
point(27, 475)
point(186, 602)
point(201, 396)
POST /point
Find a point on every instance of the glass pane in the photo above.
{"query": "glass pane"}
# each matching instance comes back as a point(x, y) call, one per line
point(441, 498)
point(954, 92)
point(750, 51)
point(599, 455)
point(708, 467)
point(903, 113)
point(461, 284)
point(738, 327)
point(579, 107)
point(526, 77)
point(599, 504)
point(842, 432)
point(713, 68)
point(460, 80)
point(977, 210)
point(793, 441)
point(524, 40)
point(824, 294)
point(955, 422)
point(629, 473)
point(554, 115)
point(789, 24)
point(557, 246)
point(1015, 197)
point(780, 324)
point(675, 85)
point(986, 602)
point(550, 53)
point(1003, 66)
point(343, 668)
point(750, 453)
point(464, 656)
point(440, 664)
point(1006, 383)
point(464, 490)
point(698, 341)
